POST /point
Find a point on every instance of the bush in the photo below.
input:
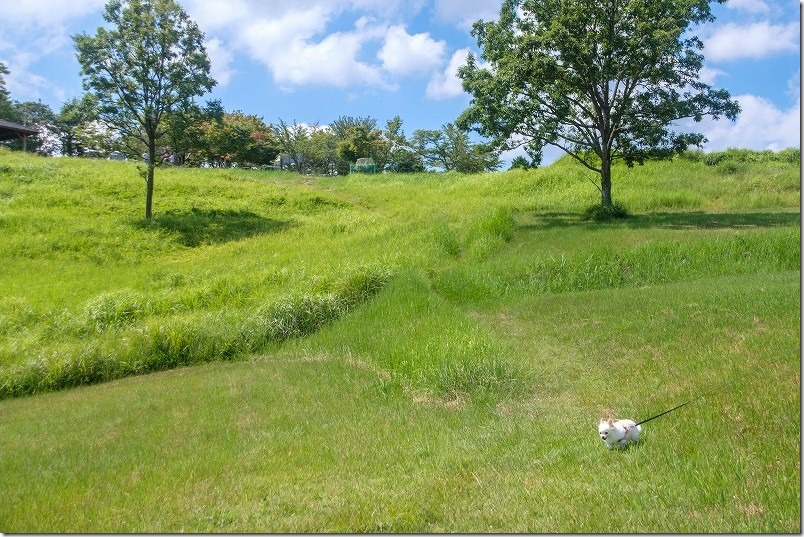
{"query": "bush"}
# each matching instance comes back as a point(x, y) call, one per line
point(601, 213)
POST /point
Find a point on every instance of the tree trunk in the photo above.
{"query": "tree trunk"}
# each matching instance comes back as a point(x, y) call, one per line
point(605, 181)
point(149, 180)
point(149, 191)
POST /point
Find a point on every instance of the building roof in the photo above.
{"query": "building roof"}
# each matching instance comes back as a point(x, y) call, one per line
point(9, 130)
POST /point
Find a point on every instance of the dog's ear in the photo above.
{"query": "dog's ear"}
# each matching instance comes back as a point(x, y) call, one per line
point(611, 421)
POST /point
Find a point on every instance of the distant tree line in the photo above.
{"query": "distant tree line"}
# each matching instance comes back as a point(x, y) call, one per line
point(211, 136)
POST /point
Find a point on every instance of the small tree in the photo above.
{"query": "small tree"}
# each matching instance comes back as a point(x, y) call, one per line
point(603, 80)
point(240, 138)
point(359, 137)
point(451, 149)
point(293, 142)
point(398, 155)
point(151, 63)
point(521, 162)
point(74, 118)
point(39, 116)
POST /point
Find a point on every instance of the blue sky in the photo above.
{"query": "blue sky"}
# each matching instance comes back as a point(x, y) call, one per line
point(315, 60)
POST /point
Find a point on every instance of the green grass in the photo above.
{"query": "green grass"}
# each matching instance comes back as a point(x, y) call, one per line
point(425, 353)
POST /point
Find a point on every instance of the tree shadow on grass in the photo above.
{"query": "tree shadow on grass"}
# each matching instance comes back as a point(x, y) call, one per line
point(195, 226)
point(690, 220)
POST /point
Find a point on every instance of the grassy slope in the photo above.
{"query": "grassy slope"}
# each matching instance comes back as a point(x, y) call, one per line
point(462, 397)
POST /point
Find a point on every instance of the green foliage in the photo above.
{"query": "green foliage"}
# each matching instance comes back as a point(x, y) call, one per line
point(359, 138)
point(166, 342)
point(112, 309)
point(601, 81)
point(450, 149)
point(151, 62)
point(39, 116)
point(521, 162)
point(6, 108)
point(791, 155)
point(238, 138)
point(604, 213)
point(400, 157)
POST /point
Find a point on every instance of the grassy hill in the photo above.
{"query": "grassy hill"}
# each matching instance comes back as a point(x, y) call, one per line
point(414, 353)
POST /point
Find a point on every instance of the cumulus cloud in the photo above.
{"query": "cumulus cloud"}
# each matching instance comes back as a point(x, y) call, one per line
point(446, 84)
point(761, 125)
point(757, 40)
point(404, 54)
point(45, 13)
point(708, 75)
point(221, 59)
point(215, 15)
point(305, 42)
point(289, 48)
point(31, 31)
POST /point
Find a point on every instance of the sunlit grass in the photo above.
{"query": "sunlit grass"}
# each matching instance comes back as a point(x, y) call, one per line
point(425, 353)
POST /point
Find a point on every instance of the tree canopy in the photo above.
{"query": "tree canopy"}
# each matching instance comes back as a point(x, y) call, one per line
point(6, 108)
point(150, 63)
point(603, 80)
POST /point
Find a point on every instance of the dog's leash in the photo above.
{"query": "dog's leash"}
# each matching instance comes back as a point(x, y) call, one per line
point(662, 414)
point(674, 408)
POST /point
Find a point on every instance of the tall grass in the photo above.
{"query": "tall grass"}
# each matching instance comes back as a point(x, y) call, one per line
point(610, 266)
point(423, 353)
point(164, 342)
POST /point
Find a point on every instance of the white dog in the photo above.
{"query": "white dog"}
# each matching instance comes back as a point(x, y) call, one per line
point(618, 433)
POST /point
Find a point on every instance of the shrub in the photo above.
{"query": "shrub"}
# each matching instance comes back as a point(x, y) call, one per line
point(601, 213)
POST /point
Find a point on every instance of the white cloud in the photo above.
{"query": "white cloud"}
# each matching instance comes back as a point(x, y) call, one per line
point(332, 61)
point(221, 59)
point(708, 75)
point(404, 54)
point(794, 86)
point(446, 84)
point(761, 125)
point(31, 31)
point(45, 13)
point(758, 40)
point(288, 48)
point(305, 42)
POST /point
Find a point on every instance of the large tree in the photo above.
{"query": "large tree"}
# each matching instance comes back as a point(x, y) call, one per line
point(150, 63)
point(603, 80)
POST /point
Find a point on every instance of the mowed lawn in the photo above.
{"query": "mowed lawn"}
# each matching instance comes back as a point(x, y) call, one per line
point(458, 391)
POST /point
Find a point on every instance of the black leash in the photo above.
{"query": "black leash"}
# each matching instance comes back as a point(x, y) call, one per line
point(662, 414)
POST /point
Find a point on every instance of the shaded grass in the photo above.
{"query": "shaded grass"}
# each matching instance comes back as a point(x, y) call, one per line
point(210, 226)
